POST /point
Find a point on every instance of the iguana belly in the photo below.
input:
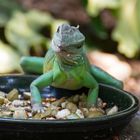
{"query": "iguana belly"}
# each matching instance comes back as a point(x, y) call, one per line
point(68, 78)
point(70, 81)
point(70, 84)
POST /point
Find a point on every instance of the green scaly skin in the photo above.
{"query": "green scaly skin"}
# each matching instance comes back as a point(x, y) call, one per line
point(66, 66)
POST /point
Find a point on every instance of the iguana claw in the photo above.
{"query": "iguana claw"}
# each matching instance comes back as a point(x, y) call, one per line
point(37, 108)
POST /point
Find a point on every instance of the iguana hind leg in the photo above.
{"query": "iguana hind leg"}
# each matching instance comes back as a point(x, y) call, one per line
point(32, 65)
point(105, 78)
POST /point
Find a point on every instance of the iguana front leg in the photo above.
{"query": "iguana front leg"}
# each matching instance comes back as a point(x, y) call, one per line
point(42, 81)
point(105, 78)
point(93, 86)
point(32, 65)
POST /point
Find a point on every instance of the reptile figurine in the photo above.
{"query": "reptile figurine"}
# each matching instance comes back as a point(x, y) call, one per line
point(66, 66)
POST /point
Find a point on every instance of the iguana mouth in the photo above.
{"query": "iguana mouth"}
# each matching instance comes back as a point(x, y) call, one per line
point(70, 59)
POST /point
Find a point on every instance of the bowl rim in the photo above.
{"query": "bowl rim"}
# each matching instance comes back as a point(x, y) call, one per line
point(131, 110)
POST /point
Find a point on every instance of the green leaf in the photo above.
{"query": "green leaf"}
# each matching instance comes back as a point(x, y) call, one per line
point(95, 6)
point(9, 59)
point(127, 32)
point(98, 28)
point(7, 7)
point(84, 3)
point(37, 19)
point(23, 30)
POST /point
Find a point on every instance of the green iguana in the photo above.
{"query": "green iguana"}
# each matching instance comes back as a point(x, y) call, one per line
point(66, 66)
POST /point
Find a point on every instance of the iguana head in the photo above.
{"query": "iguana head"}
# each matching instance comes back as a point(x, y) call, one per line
point(67, 39)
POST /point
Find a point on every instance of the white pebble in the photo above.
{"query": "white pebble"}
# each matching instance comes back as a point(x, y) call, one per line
point(79, 113)
point(20, 114)
point(27, 95)
point(72, 116)
point(63, 104)
point(62, 114)
point(2, 94)
point(17, 103)
point(113, 110)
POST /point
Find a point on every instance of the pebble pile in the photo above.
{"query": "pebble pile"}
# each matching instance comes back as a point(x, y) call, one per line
point(13, 105)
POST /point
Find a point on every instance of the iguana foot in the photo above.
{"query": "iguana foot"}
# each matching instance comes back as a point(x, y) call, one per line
point(37, 108)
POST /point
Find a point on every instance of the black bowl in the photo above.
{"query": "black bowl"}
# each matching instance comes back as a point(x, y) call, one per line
point(97, 128)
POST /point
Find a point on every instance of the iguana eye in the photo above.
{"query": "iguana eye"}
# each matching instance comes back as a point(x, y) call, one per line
point(63, 50)
point(60, 46)
point(78, 47)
